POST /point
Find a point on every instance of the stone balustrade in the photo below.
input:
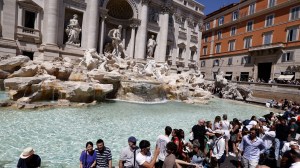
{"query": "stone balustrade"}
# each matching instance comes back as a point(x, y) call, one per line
point(28, 34)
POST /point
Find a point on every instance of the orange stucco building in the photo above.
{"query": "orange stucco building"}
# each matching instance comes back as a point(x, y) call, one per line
point(253, 39)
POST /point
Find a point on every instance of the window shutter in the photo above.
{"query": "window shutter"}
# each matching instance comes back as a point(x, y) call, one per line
point(291, 56)
point(283, 57)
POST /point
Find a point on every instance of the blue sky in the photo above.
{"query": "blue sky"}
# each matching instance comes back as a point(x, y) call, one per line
point(212, 5)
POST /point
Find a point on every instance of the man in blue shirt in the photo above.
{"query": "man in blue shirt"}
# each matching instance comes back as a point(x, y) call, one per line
point(251, 148)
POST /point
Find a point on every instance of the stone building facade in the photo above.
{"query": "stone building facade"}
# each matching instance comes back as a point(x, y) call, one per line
point(256, 39)
point(37, 28)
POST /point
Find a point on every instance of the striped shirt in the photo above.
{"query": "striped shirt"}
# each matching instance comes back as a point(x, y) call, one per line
point(103, 157)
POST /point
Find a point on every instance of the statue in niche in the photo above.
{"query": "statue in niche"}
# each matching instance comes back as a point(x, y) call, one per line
point(151, 46)
point(115, 35)
point(73, 31)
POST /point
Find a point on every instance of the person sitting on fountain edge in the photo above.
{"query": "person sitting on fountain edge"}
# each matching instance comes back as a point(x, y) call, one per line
point(28, 159)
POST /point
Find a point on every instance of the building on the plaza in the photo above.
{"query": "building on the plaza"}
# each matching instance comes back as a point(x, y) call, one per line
point(45, 29)
point(253, 39)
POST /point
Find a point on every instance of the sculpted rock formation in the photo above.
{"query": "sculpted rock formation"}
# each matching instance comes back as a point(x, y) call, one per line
point(95, 77)
point(11, 64)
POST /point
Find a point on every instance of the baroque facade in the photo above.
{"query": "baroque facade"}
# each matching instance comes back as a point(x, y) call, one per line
point(253, 39)
point(45, 29)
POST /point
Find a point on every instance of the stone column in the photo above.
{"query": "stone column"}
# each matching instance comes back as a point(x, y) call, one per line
point(124, 37)
point(142, 32)
point(188, 44)
point(93, 23)
point(52, 17)
point(103, 17)
point(132, 41)
point(164, 29)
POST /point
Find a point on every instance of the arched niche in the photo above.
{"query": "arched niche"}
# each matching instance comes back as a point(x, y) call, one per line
point(121, 9)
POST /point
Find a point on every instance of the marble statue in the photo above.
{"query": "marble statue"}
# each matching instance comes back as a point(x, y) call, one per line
point(151, 46)
point(73, 31)
point(115, 35)
point(91, 59)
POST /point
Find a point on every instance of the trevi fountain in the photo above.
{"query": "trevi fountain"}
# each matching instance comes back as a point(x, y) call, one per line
point(56, 106)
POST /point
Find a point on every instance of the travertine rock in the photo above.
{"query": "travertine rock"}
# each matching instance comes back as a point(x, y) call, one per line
point(13, 63)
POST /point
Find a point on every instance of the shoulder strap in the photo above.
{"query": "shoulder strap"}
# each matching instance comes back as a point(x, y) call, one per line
point(85, 161)
point(134, 154)
point(216, 144)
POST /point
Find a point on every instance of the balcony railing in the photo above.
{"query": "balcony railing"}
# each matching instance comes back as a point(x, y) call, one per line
point(266, 46)
point(28, 34)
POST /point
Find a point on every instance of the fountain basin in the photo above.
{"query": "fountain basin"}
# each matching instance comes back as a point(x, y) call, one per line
point(59, 135)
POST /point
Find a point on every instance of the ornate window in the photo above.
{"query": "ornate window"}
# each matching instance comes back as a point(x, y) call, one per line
point(28, 28)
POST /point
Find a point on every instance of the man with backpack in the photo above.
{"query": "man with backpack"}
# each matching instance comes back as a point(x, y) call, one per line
point(218, 149)
point(128, 154)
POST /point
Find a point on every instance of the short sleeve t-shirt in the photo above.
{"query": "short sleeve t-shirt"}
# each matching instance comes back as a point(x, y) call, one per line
point(141, 159)
point(103, 157)
point(161, 143)
point(34, 162)
point(170, 161)
point(87, 159)
point(127, 155)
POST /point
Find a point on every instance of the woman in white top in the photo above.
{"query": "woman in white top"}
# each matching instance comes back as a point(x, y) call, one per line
point(217, 123)
point(226, 127)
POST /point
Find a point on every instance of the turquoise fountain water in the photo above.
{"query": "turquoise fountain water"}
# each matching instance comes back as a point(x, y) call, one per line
point(59, 135)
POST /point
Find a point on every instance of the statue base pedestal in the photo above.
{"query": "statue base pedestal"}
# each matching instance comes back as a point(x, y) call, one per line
point(73, 46)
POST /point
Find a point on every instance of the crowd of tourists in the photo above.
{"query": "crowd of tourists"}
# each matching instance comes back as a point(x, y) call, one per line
point(267, 141)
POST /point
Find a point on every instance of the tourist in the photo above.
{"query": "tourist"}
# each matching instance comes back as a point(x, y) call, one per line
point(128, 154)
point(170, 158)
point(226, 127)
point(199, 132)
point(185, 149)
point(104, 157)
point(268, 138)
point(28, 159)
point(218, 149)
point(253, 122)
point(144, 158)
point(287, 160)
point(209, 137)
point(217, 123)
point(251, 146)
point(198, 157)
point(234, 136)
point(161, 143)
point(88, 156)
point(295, 154)
point(282, 133)
point(178, 141)
point(293, 128)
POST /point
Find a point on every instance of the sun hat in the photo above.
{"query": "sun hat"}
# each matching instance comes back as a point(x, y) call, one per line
point(218, 131)
point(132, 139)
point(27, 152)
